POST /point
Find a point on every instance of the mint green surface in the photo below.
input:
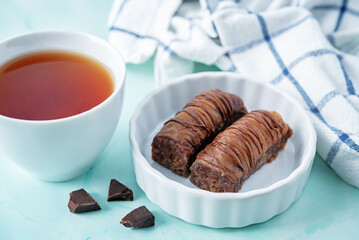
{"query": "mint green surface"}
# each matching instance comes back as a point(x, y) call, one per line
point(29, 209)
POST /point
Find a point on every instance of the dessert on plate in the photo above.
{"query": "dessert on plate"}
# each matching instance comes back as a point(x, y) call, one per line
point(176, 145)
point(214, 139)
point(240, 150)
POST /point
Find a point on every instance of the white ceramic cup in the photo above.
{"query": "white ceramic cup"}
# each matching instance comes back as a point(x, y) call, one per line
point(62, 149)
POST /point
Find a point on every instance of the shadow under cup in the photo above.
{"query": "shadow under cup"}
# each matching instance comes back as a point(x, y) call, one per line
point(62, 149)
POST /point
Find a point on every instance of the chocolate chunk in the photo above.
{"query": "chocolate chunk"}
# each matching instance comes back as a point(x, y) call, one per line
point(139, 218)
point(119, 192)
point(81, 201)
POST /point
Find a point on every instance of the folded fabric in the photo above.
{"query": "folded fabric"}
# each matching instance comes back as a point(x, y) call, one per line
point(306, 48)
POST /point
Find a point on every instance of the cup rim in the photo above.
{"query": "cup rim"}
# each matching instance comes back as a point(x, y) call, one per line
point(118, 85)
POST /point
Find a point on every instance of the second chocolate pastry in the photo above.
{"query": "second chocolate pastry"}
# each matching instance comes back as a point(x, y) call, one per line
point(183, 136)
point(237, 152)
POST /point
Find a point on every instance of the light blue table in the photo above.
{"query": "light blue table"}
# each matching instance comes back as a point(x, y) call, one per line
point(29, 209)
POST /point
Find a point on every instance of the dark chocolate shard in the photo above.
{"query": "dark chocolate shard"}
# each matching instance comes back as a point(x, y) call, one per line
point(139, 218)
point(81, 201)
point(119, 192)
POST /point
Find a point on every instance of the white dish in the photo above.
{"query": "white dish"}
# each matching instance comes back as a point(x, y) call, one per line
point(268, 192)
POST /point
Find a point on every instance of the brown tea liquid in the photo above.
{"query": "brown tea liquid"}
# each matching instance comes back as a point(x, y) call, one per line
point(51, 85)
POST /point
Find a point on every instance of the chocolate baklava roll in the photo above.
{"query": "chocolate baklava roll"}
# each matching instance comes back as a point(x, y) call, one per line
point(183, 136)
point(239, 151)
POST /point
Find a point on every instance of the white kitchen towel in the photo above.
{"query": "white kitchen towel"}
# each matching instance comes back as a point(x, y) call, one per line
point(306, 48)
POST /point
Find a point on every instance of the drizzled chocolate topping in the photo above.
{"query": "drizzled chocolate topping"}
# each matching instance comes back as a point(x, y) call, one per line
point(204, 115)
point(235, 151)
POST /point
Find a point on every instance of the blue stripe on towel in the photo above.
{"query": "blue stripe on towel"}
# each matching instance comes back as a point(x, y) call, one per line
point(335, 7)
point(353, 12)
point(275, 34)
point(159, 75)
point(327, 97)
point(342, 135)
point(136, 35)
point(334, 149)
point(283, 67)
point(211, 12)
point(166, 48)
point(341, 14)
point(121, 7)
point(119, 11)
point(315, 53)
point(326, 7)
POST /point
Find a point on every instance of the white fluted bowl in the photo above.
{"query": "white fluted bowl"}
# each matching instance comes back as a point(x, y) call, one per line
point(268, 192)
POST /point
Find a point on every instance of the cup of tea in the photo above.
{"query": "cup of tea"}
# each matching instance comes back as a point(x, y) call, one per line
point(61, 95)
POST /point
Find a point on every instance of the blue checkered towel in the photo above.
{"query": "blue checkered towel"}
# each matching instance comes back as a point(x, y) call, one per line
point(307, 48)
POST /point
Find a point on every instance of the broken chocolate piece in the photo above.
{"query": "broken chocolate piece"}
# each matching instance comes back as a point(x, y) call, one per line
point(119, 192)
point(81, 201)
point(139, 218)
